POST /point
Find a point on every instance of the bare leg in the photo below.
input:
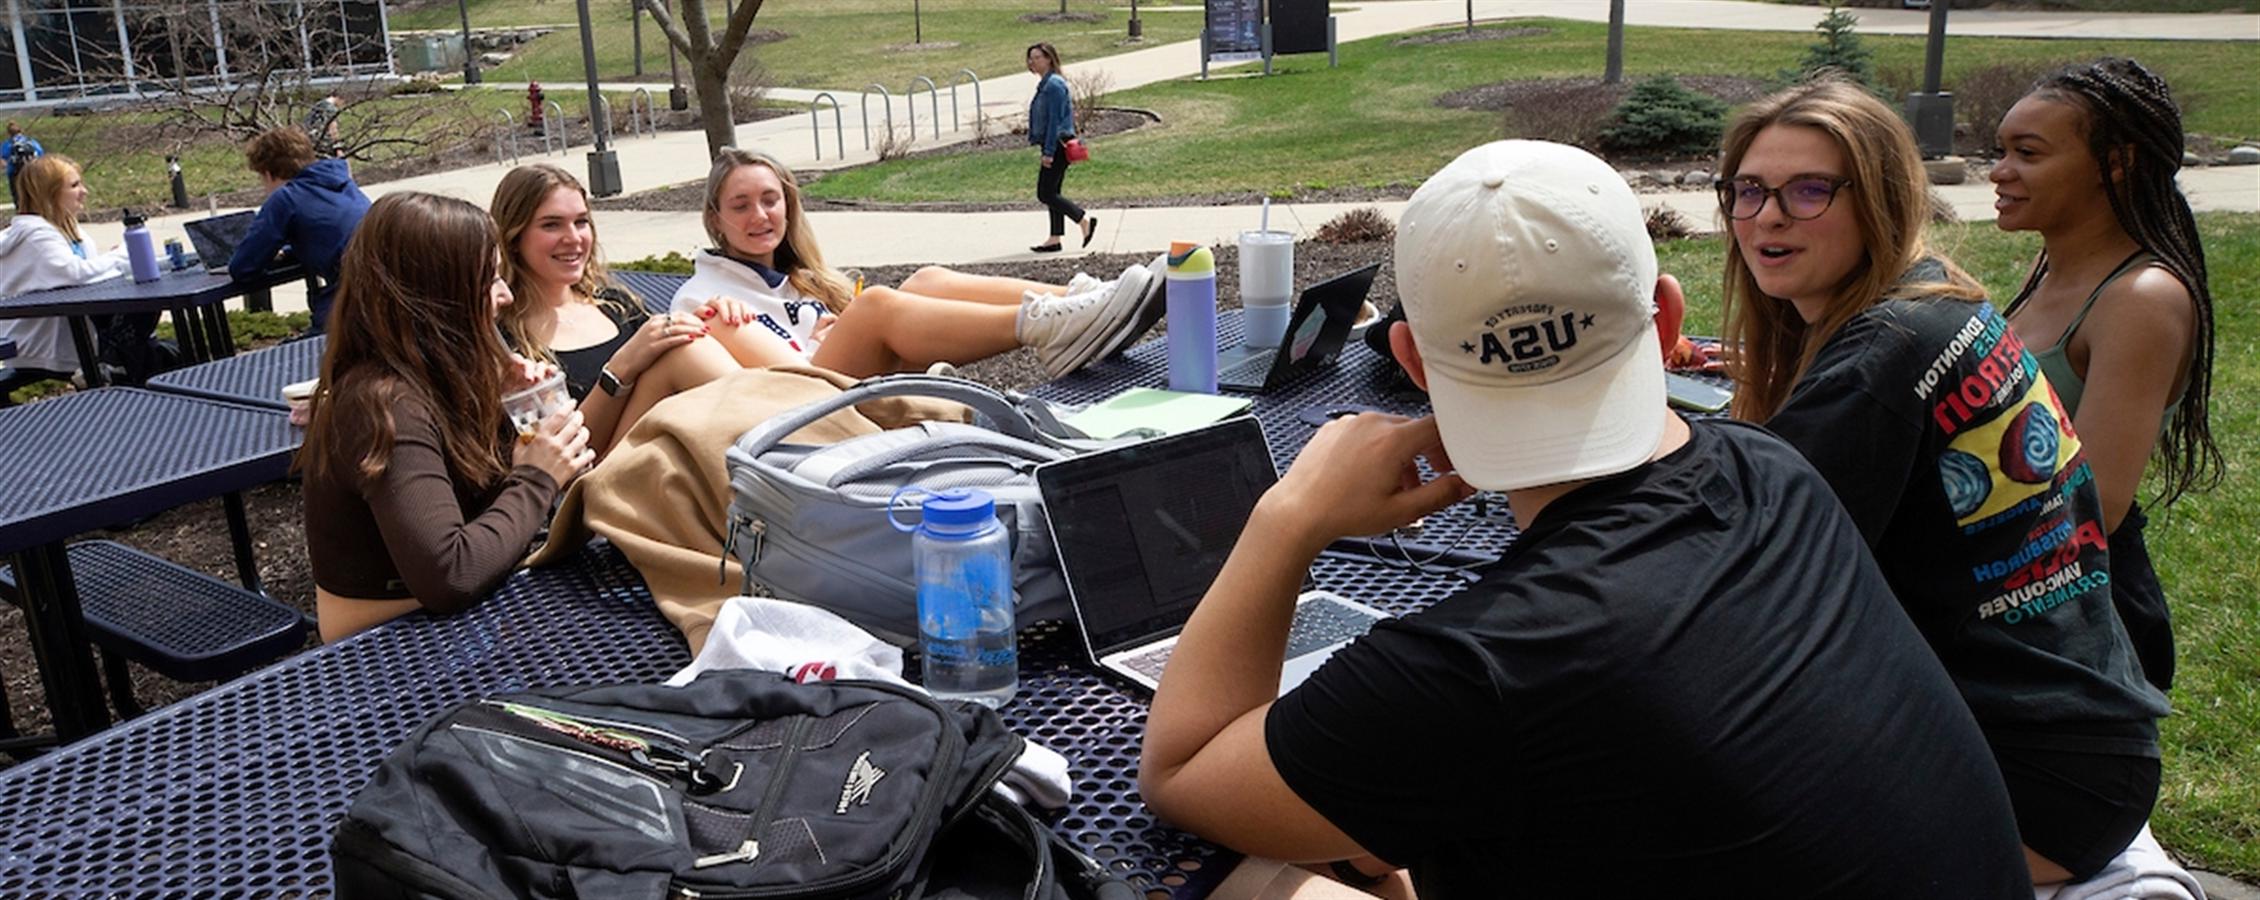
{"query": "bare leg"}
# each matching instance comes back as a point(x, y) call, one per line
point(950, 284)
point(2043, 870)
point(677, 370)
point(755, 347)
point(887, 330)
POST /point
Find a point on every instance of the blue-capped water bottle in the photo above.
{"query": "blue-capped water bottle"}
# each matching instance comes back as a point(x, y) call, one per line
point(963, 559)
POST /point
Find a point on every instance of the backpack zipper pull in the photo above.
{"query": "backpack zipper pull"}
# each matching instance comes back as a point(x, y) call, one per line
point(730, 543)
point(746, 852)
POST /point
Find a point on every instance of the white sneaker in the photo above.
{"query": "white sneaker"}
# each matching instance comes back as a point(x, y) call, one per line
point(1083, 282)
point(1149, 309)
point(1069, 332)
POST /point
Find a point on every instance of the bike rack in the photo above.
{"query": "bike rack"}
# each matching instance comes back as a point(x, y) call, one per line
point(887, 106)
point(910, 98)
point(509, 133)
point(645, 122)
point(603, 103)
point(968, 73)
point(816, 126)
point(549, 127)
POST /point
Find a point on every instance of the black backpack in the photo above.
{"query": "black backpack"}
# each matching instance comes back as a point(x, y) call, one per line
point(740, 784)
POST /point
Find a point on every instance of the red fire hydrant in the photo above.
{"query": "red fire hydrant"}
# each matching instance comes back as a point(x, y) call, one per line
point(534, 101)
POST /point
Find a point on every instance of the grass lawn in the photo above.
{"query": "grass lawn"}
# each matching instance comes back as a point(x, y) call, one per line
point(842, 44)
point(122, 168)
point(1373, 121)
point(2206, 547)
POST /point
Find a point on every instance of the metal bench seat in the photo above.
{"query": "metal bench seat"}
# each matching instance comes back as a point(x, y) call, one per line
point(182, 624)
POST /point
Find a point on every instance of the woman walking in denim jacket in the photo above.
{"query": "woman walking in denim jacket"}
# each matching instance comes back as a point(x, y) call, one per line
point(1051, 124)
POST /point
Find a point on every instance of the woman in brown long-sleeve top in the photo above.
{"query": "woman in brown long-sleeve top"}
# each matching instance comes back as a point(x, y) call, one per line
point(418, 493)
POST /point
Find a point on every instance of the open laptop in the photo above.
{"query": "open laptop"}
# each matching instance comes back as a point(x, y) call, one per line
point(1142, 530)
point(215, 238)
point(1320, 326)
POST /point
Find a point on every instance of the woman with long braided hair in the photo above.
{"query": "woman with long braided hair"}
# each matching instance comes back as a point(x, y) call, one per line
point(2116, 308)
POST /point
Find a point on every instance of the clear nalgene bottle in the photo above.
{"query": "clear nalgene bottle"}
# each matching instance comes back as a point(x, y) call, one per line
point(963, 559)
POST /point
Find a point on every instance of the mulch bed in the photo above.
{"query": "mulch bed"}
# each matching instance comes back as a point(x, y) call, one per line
point(197, 536)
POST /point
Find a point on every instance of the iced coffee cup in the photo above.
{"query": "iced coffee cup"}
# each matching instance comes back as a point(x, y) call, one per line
point(528, 407)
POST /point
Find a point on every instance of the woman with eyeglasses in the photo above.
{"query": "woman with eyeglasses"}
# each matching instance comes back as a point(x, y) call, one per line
point(1881, 361)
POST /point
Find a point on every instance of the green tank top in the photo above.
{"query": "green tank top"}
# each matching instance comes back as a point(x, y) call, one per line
point(2058, 367)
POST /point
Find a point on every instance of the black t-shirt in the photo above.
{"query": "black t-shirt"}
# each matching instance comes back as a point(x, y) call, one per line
point(1688, 680)
point(1947, 446)
point(583, 365)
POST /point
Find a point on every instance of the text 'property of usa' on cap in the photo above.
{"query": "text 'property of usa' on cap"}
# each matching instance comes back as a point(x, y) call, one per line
point(1529, 282)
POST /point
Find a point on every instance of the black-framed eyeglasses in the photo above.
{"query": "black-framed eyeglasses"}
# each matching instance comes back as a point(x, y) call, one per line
point(1800, 198)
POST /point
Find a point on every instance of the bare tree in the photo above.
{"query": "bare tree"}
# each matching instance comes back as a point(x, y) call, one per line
point(232, 69)
point(710, 56)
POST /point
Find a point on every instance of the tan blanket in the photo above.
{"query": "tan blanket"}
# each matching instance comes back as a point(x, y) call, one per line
point(663, 493)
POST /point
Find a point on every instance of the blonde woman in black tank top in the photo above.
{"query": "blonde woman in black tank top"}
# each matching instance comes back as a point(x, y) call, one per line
point(2116, 308)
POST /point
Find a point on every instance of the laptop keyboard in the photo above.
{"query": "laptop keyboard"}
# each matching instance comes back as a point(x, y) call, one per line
point(1321, 623)
point(1318, 624)
point(1252, 370)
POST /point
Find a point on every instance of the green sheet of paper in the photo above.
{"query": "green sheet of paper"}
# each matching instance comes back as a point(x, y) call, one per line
point(1168, 412)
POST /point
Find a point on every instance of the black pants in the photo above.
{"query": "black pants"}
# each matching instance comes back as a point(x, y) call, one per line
point(1048, 180)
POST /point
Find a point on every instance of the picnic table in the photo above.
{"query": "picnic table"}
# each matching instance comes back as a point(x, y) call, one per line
point(192, 295)
point(237, 790)
point(96, 458)
point(252, 379)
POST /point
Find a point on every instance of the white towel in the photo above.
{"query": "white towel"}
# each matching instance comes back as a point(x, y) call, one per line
point(813, 644)
point(2143, 871)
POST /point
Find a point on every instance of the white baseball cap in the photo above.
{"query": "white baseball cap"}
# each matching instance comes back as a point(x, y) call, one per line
point(1529, 281)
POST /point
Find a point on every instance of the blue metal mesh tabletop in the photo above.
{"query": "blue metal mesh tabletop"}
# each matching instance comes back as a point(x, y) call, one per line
point(1358, 380)
point(655, 289)
point(236, 792)
point(94, 458)
point(255, 378)
point(186, 287)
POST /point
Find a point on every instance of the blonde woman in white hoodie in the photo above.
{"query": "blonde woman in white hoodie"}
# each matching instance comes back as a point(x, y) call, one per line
point(42, 248)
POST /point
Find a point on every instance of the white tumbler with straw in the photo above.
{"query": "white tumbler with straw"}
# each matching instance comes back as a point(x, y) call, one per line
point(1267, 283)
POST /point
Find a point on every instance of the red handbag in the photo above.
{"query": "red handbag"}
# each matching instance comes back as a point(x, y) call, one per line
point(1077, 151)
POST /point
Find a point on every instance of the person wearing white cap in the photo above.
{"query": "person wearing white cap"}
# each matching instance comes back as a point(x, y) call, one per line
point(1686, 678)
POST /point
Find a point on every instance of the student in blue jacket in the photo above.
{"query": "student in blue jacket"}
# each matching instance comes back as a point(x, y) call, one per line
point(312, 208)
point(1051, 124)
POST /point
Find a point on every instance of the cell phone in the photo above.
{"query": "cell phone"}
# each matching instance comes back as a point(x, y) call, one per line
point(1695, 394)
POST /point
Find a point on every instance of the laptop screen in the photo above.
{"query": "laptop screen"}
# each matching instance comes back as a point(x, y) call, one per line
point(1333, 302)
point(215, 238)
point(1143, 530)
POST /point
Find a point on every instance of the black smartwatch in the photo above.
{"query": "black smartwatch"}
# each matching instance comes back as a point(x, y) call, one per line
point(611, 384)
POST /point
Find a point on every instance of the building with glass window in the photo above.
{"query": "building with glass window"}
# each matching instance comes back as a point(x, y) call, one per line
point(62, 50)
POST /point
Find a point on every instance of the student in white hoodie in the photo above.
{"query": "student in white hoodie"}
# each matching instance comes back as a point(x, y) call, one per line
point(42, 248)
point(766, 285)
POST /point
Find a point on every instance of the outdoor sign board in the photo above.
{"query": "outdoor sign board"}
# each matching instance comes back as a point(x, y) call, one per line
point(1235, 30)
point(1298, 26)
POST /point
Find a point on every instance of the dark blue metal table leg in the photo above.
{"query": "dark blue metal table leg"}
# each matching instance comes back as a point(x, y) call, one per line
point(220, 341)
point(189, 334)
point(58, 639)
point(120, 681)
point(89, 359)
point(239, 528)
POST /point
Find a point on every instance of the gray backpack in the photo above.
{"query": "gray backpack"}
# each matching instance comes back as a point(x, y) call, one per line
point(811, 522)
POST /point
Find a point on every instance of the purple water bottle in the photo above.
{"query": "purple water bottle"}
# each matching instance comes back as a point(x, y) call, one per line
point(141, 249)
point(1192, 318)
